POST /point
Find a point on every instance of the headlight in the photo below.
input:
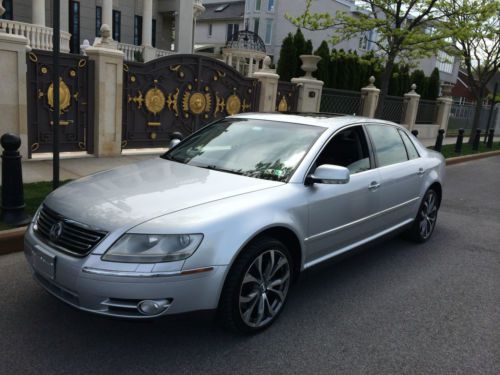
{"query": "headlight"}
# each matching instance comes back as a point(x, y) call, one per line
point(153, 248)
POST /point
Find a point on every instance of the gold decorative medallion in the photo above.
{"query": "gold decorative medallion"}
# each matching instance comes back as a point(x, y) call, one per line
point(64, 96)
point(44, 70)
point(233, 105)
point(132, 78)
point(82, 63)
point(283, 105)
point(155, 100)
point(72, 73)
point(196, 102)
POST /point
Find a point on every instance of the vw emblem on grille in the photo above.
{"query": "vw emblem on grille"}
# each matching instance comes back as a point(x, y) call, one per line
point(56, 231)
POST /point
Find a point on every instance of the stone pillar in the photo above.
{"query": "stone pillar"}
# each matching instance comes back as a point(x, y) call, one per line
point(64, 15)
point(184, 26)
point(13, 101)
point(147, 22)
point(38, 12)
point(411, 108)
point(310, 88)
point(268, 86)
point(107, 14)
point(444, 107)
point(107, 97)
point(370, 95)
point(250, 67)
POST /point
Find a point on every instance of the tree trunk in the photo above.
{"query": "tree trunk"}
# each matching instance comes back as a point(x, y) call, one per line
point(475, 121)
point(384, 84)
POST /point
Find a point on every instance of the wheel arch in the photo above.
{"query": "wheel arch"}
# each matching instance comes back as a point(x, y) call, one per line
point(436, 186)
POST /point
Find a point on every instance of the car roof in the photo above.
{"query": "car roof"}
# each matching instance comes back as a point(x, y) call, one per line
point(327, 120)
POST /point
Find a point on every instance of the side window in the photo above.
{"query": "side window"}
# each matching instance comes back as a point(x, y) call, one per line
point(348, 149)
point(410, 147)
point(388, 145)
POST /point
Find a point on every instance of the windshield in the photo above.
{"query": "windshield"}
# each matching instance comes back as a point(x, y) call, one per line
point(256, 148)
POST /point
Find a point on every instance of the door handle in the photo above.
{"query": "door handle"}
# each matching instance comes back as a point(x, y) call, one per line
point(374, 185)
point(421, 171)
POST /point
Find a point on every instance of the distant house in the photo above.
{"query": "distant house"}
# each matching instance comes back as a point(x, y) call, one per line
point(462, 93)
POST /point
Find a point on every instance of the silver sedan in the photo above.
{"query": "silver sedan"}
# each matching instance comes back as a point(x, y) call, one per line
point(227, 219)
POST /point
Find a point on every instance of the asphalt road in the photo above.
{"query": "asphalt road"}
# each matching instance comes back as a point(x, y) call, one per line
point(395, 308)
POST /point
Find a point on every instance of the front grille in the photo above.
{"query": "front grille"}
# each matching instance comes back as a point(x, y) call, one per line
point(73, 238)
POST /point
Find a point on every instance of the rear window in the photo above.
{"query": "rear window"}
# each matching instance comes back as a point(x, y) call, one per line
point(388, 145)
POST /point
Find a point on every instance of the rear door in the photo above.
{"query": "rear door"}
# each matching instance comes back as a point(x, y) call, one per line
point(400, 174)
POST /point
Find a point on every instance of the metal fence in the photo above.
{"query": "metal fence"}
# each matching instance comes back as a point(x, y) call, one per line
point(462, 116)
point(393, 109)
point(341, 101)
point(427, 112)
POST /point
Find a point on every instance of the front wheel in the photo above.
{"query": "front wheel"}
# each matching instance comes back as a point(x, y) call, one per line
point(257, 286)
point(425, 222)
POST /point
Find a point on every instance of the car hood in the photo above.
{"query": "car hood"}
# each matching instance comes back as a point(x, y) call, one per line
point(129, 195)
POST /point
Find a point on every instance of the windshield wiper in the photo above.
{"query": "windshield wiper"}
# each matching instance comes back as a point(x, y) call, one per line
point(170, 157)
point(215, 168)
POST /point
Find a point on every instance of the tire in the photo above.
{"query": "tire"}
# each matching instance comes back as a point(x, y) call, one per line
point(425, 222)
point(256, 287)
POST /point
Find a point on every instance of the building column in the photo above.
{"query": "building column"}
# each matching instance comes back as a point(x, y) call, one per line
point(64, 15)
point(107, 14)
point(250, 67)
point(38, 12)
point(147, 23)
point(184, 26)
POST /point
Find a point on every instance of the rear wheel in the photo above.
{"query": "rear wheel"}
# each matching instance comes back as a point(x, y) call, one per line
point(425, 222)
point(257, 286)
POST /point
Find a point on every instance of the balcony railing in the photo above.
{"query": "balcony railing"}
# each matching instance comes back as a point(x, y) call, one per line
point(130, 50)
point(39, 37)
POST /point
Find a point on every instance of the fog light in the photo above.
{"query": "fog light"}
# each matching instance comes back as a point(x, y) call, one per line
point(151, 307)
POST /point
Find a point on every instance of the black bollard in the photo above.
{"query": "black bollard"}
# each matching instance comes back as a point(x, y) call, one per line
point(415, 133)
point(12, 182)
point(439, 140)
point(477, 138)
point(491, 134)
point(460, 141)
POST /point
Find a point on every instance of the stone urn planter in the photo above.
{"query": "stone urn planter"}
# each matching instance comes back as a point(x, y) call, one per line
point(309, 64)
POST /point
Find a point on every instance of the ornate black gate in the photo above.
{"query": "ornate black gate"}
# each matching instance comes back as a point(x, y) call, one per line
point(75, 98)
point(180, 93)
point(287, 97)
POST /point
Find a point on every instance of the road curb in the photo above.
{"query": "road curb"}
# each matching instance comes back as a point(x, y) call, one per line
point(11, 240)
point(463, 159)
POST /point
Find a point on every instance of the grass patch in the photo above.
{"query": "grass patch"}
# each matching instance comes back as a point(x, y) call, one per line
point(448, 151)
point(34, 194)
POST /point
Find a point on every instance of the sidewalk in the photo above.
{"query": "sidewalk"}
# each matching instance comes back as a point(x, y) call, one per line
point(76, 165)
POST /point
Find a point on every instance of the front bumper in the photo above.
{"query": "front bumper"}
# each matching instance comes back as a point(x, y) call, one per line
point(90, 285)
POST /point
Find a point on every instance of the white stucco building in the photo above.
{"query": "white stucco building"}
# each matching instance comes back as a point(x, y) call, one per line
point(166, 25)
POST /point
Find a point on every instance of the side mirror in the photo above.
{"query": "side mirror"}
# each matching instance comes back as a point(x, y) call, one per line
point(174, 142)
point(329, 174)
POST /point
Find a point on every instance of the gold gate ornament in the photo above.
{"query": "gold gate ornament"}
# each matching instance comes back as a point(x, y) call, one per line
point(155, 100)
point(283, 105)
point(64, 96)
point(233, 105)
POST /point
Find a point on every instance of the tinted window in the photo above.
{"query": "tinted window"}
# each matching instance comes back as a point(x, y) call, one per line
point(347, 149)
point(410, 147)
point(389, 147)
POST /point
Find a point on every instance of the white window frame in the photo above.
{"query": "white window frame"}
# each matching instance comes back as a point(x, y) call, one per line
point(256, 29)
point(269, 22)
point(259, 3)
point(269, 4)
point(442, 63)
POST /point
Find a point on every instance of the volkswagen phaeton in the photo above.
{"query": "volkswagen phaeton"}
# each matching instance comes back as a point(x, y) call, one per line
point(228, 218)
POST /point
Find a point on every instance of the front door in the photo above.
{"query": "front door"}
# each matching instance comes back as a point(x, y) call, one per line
point(341, 215)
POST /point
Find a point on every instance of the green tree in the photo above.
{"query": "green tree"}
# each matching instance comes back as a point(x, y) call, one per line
point(418, 78)
point(323, 72)
point(394, 82)
point(287, 64)
point(476, 25)
point(433, 85)
point(309, 47)
point(405, 29)
point(404, 79)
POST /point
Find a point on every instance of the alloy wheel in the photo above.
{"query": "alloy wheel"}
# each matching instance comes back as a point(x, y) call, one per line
point(428, 215)
point(264, 288)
